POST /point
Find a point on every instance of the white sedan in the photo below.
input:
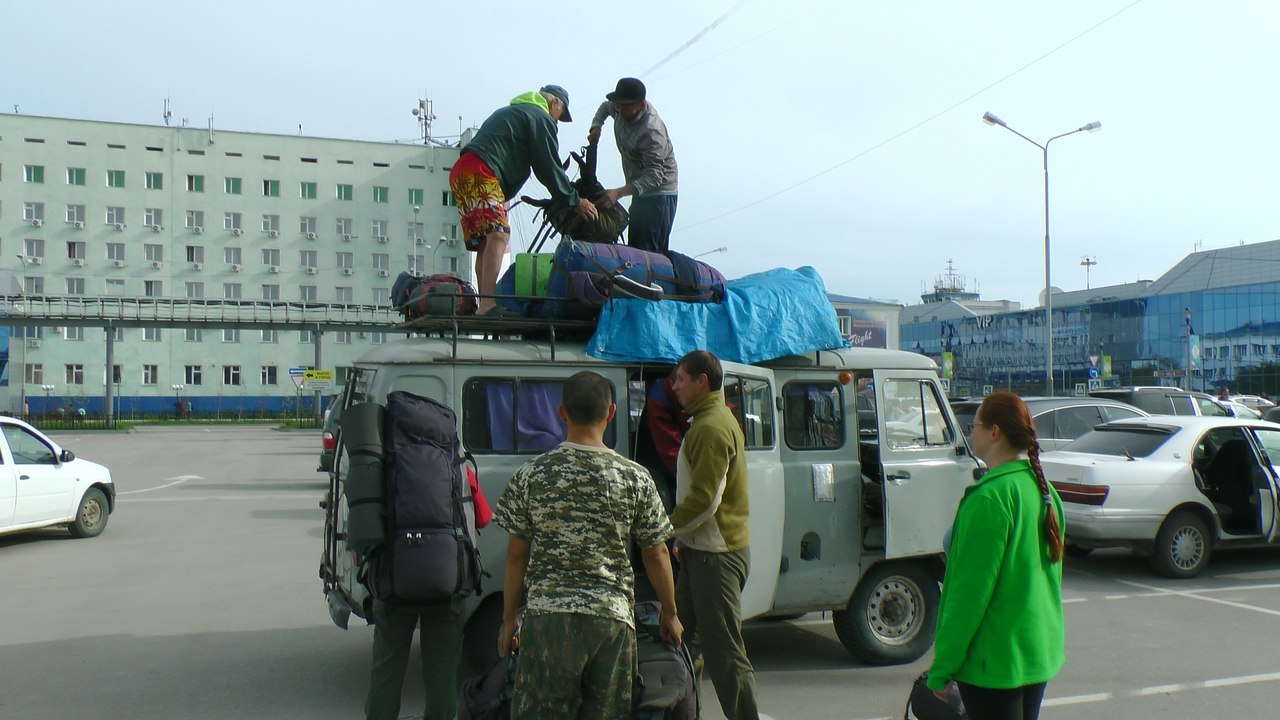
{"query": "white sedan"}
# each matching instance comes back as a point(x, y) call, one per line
point(1174, 486)
point(43, 485)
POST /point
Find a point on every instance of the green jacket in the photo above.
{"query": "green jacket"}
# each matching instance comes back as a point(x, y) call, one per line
point(712, 503)
point(522, 137)
point(1000, 621)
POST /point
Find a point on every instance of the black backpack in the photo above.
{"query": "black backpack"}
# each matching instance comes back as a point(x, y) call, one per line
point(488, 695)
point(430, 552)
point(666, 685)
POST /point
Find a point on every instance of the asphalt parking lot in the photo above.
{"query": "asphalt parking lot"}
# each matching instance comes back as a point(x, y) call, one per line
point(201, 600)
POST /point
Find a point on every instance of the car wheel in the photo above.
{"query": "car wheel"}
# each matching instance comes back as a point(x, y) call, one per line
point(891, 617)
point(1183, 546)
point(91, 519)
point(1076, 551)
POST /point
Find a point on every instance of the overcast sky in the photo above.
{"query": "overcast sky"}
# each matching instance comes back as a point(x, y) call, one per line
point(840, 134)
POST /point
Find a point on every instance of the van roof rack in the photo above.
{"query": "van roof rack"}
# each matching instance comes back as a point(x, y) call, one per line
point(450, 327)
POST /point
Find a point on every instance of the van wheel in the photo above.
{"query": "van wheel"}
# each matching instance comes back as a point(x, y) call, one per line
point(91, 518)
point(480, 641)
point(1183, 546)
point(891, 617)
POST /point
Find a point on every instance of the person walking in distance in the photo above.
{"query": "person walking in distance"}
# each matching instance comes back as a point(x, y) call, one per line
point(710, 523)
point(495, 164)
point(572, 514)
point(1000, 631)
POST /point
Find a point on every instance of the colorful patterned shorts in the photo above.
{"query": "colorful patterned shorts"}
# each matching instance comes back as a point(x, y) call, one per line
point(482, 208)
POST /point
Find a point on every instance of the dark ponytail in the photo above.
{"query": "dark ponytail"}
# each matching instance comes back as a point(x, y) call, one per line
point(1007, 411)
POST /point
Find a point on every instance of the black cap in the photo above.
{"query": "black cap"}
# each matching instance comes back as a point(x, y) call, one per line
point(630, 90)
point(563, 96)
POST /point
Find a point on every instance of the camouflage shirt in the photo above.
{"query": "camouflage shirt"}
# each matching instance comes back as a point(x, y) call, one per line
point(579, 507)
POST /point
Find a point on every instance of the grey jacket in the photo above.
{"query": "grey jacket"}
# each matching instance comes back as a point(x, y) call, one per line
point(648, 160)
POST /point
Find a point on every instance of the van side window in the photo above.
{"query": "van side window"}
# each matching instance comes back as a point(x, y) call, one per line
point(814, 412)
point(751, 401)
point(914, 416)
point(514, 416)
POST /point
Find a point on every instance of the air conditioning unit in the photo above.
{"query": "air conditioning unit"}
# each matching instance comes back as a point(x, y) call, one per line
point(77, 225)
point(235, 267)
point(273, 233)
point(382, 238)
point(384, 273)
point(78, 262)
point(157, 264)
point(274, 268)
point(236, 231)
point(197, 266)
point(37, 223)
point(197, 230)
point(312, 271)
point(311, 236)
point(35, 260)
point(346, 237)
point(348, 271)
point(119, 227)
point(117, 263)
point(156, 228)
point(33, 342)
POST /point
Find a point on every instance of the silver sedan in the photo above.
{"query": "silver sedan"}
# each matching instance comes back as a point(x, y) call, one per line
point(1175, 486)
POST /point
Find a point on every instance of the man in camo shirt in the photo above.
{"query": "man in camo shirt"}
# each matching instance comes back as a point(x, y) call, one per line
point(572, 514)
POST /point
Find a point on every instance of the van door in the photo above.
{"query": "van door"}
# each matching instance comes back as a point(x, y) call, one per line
point(926, 462)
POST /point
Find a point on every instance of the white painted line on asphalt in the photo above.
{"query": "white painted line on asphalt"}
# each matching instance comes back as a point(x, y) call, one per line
point(178, 480)
point(208, 498)
point(1196, 595)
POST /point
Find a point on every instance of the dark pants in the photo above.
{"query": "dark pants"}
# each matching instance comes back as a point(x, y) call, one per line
point(441, 648)
point(707, 601)
point(1021, 703)
point(574, 666)
point(651, 220)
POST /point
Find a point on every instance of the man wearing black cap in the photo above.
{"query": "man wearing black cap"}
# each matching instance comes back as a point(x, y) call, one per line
point(648, 164)
point(494, 166)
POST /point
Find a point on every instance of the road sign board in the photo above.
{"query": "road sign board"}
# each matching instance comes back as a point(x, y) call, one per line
point(1079, 389)
point(1095, 385)
point(1093, 373)
point(946, 385)
point(296, 371)
point(321, 380)
point(987, 389)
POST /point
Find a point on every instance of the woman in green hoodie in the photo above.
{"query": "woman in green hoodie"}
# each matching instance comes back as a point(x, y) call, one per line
point(1000, 629)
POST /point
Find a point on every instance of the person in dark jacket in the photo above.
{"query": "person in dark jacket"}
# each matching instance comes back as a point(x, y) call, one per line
point(495, 164)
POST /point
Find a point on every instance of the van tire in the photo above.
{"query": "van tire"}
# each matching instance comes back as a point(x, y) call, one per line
point(480, 640)
point(891, 616)
point(91, 516)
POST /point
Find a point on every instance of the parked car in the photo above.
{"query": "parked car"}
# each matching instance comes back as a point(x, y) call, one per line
point(1257, 402)
point(43, 485)
point(1159, 400)
point(329, 433)
point(1240, 410)
point(1177, 487)
point(1059, 420)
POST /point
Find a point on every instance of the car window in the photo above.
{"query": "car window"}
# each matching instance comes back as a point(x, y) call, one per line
point(1118, 413)
point(1182, 404)
point(514, 416)
point(1122, 441)
point(814, 413)
point(1270, 440)
point(1211, 408)
point(914, 416)
point(27, 449)
point(751, 401)
point(1072, 422)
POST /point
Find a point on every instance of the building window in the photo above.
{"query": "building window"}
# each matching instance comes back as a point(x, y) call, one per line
point(269, 375)
point(33, 173)
point(377, 338)
point(381, 194)
point(117, 334)
point(304, 336)
point(231, 221)
point(271, 188)
point(34, 374)
point(150, 374)
point(75, 214)
point(231, 185)
point(192, 374)
point(75, 176)
point(345, 226)
point(115, 216)
point(115, 178)
point(153, 217)
point(33, 211)
point(154, 181)
point(307, 293)
point(151, 334)
point(345, 192)
point(232, 291)
point(75, 250)
point(194, 335)
point(33, 247)
point(195, 218)
point(195, 253)
point(381, 261)
point(345, 260)
point(195, 290)
point(307, 190)
point(418, 262)
point(417, 231)
point(342, 295)
point(270, 292)
point(271, 224)
point(115, 287)
point(446, 198)
point(231, 335)
point(343, 337)
point(75, 286)
point(307, 258)
point(307, 225)
point(74, 333)
point(230, 374)
point(271, 336)
point(152, 288)
point(379, 228)
point(195, 183)
point(153, 252)
point(270, 256)
point(415, 196)
point(117, 375)
point(75, 374)
point(231, 255)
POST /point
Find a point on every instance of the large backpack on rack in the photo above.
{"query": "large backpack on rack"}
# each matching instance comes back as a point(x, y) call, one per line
point(430, 552)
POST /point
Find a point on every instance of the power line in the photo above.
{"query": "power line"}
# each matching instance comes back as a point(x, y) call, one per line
point(695, 38)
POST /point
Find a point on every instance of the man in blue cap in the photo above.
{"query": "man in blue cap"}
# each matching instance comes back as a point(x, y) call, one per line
point(648, 165)
point(495, 164)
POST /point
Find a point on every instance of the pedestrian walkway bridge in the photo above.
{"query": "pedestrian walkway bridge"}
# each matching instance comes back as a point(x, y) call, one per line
point(109, 311)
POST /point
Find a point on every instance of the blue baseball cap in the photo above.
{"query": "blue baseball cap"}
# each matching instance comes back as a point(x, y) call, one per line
point(563, 96)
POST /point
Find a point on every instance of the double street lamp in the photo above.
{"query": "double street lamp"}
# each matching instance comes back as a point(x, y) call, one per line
point(1095, 126)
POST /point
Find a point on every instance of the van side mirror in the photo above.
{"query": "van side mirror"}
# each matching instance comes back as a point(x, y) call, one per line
point(66, 456)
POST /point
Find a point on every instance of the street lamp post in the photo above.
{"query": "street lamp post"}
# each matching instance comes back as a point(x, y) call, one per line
point(177, 400)
point(1186, 315)
point(48, 390)
point(443, 241)
point(990, 119)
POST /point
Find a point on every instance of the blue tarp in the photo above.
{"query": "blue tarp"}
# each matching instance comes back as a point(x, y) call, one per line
point(764, 316)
